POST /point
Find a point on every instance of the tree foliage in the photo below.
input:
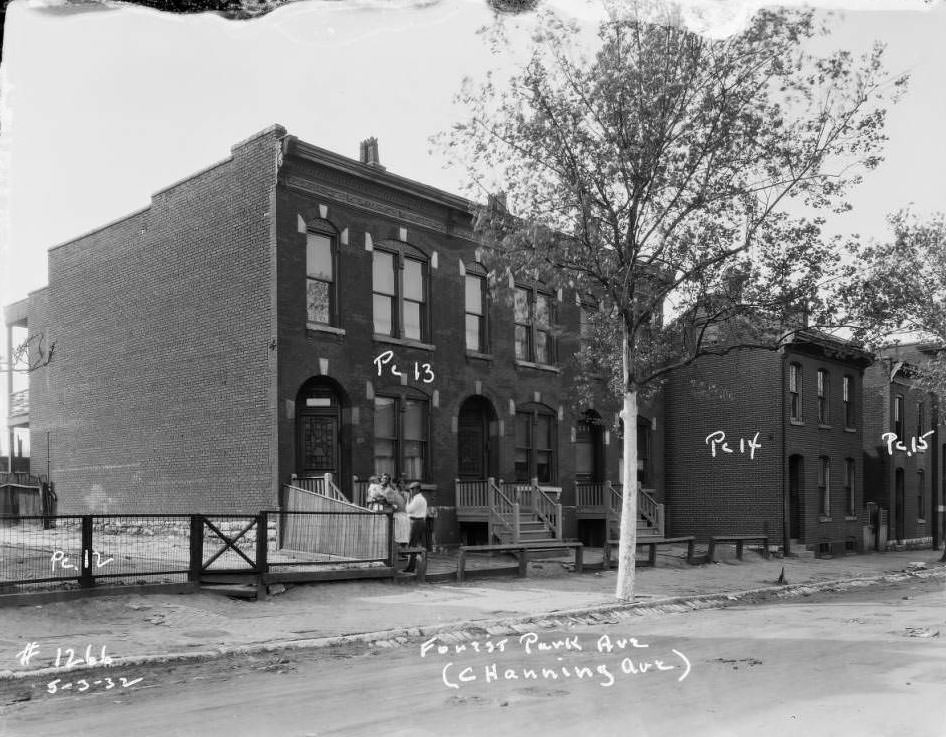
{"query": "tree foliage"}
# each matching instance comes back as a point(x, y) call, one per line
point(679, 182)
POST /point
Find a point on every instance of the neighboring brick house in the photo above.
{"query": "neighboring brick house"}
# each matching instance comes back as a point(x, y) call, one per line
point(224, 338)
point(792, 426)
point(901, 449)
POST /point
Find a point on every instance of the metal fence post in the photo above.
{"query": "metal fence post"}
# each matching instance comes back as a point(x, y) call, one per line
point(86, 580)
point(262, 542)
point(196, 547)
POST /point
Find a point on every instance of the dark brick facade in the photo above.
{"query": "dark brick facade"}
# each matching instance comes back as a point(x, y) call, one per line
point(746, 393)
point(910, 501)
point(182, 341)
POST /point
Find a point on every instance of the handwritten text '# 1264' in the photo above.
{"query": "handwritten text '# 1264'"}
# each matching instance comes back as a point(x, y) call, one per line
point(717, 440)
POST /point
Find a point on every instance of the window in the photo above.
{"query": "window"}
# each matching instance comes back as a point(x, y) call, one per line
point(847, 389)
point(920, 419)
point(644, 445)
point(824, 486)
point(533, 316)
point(849, 487)
point(794, 388)
point(401, 437)
point(898, 417)
point(399, 292)
point(824, 397)
point(320, 279)
point(535, 455)
point(920, 495)
point(476, 313)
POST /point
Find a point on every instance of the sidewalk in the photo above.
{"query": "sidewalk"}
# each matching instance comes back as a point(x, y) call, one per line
point(164, 626)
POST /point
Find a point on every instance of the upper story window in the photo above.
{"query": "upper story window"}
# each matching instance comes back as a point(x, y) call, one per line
point(898, 416)
point(920, 418)
point(535, 455)
point(824, 486)
point(586, 313)
point(920, 494)
point(401, 437)
point(824, 397)
point(476, 309)
point(794, 388)
point(534, 316)
point(321, 292)
point(847, 391)
point(399, 283)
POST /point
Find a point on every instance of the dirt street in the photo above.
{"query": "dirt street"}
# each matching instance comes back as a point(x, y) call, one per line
point(870, 663)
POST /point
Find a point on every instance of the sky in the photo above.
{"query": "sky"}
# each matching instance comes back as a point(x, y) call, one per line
point(103, 107)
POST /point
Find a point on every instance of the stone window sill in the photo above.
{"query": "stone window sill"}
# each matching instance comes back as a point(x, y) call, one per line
point(796, 422)
point(824, 519)
point(481, 356)
point(538, 366)
point(822, 426)
point(407, 342)
point(850, 518)
point(850, 429)
point(319, 328)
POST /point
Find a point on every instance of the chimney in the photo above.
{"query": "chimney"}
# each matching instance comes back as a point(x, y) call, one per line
point(369, 153)
point(496, 203)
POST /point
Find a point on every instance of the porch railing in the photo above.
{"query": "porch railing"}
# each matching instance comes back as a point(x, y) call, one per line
point(503, 513)
point(647, 507)
point(547, 509)
point(591, 495)
point(324, 485)
point(472, 494)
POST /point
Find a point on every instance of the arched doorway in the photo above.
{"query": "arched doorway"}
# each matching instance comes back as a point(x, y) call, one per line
point(477, 445)
point(321, 440)
point(589, 448)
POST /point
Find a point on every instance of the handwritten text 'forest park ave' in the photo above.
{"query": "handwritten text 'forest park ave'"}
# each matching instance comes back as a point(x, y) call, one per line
point(718, 440)
point(454, 674)
point(918, 445)
point(62, 559)
point(422, 371)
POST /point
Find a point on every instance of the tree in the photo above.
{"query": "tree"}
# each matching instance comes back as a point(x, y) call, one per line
point(896, 291)
point(668, 172)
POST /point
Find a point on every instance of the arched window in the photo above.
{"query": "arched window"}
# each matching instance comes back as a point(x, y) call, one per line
point(321, 267)
point(400, 291)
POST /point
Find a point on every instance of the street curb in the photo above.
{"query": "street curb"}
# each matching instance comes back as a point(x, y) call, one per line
point(467, 629)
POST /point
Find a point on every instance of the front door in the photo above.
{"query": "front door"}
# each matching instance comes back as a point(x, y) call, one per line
point(898, 505)
point(318, 439)
point(476, 446)
point(795, 496)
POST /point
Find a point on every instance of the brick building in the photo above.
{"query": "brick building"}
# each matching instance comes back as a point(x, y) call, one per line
point(792, 463)
point(901, 453)
point(290, 311)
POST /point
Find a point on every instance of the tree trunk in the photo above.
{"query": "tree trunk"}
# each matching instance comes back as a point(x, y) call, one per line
point(628, 547)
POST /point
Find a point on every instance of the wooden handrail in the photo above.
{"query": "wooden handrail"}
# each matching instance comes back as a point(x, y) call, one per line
point(548, 510)
point(501, 508)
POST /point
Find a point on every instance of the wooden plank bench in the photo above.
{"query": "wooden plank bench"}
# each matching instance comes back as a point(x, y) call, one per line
point(651, 543)
point(738, 541)
point(522, 549)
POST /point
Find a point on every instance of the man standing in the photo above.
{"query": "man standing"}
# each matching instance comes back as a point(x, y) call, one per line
point(417, 511)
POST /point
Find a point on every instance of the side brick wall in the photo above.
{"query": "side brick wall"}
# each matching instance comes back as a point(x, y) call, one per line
point(731, 493)
point(159, 397)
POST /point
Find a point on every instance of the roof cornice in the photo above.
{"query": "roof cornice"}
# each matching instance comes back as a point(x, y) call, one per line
point(308, 152)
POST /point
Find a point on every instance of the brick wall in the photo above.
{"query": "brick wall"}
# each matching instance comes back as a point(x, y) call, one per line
point(731, 493)
point(302, 352)
point(812, 441)
point(159, 397)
